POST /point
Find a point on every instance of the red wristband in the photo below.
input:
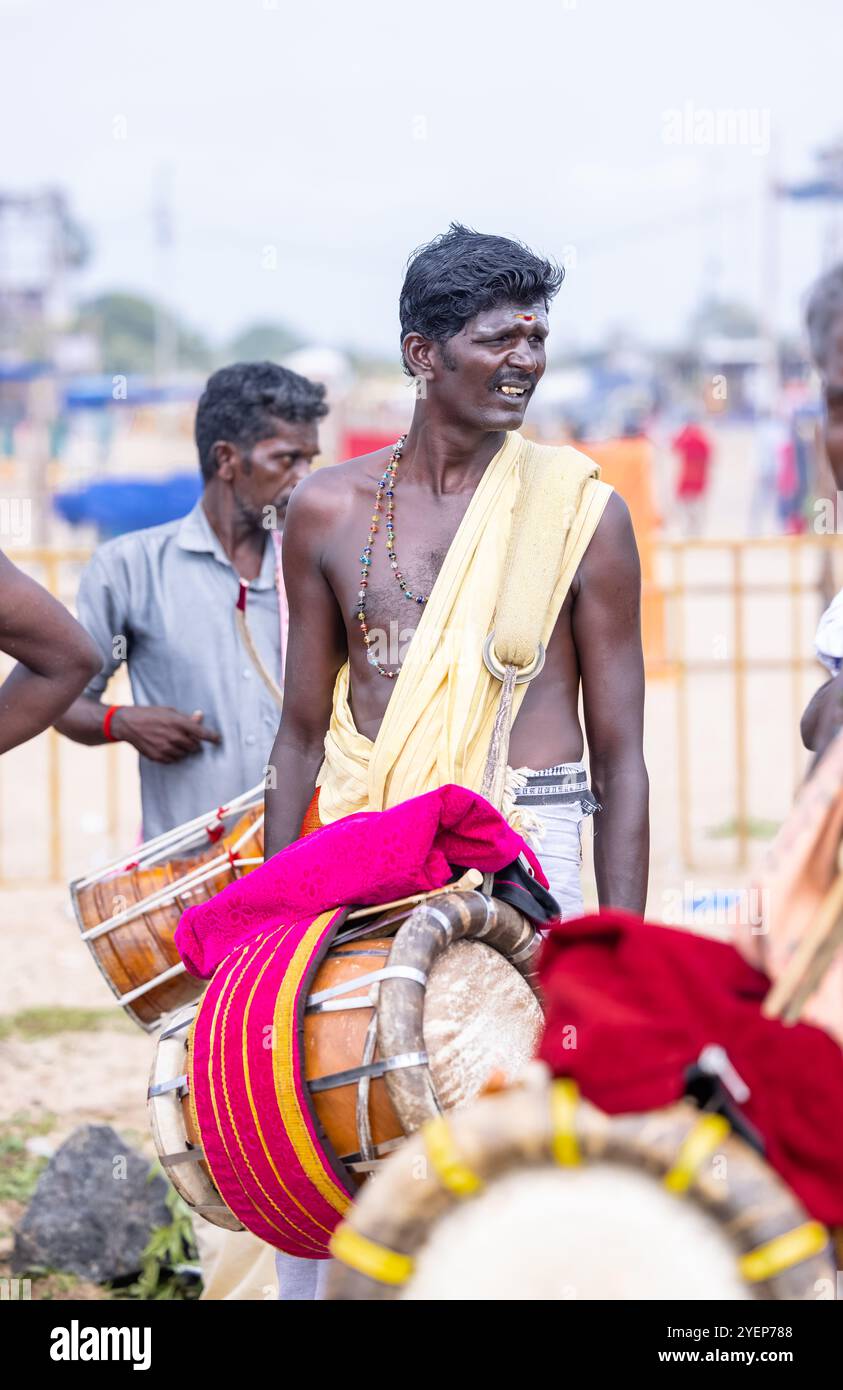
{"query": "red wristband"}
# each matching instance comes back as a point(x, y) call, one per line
point(106, 723)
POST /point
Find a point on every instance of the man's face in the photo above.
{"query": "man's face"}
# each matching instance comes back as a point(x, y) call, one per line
point(833, 401)
point(265, 475)
point(486, 374)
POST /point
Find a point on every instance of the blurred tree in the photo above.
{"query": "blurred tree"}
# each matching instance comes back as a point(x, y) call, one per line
point(261, 342)
point(125, 326)
point(723, 318)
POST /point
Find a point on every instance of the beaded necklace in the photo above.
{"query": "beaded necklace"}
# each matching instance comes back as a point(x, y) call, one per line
point(386, 488)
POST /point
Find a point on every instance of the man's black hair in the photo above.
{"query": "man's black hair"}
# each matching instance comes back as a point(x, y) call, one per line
point(462, 273)
point(242, 404)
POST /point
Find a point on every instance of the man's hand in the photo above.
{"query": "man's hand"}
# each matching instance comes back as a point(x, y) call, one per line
point(162, 734)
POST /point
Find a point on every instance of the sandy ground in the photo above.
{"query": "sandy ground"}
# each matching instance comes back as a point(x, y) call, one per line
point(96, 1068)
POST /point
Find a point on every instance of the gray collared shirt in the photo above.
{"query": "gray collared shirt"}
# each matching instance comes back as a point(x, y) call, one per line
point(169, 593)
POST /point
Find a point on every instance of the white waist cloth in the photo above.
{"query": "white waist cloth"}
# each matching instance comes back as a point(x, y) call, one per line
point(550, 806)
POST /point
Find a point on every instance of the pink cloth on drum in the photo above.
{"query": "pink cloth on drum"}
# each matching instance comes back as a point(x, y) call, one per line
point(253, 1110)
point(368, 858)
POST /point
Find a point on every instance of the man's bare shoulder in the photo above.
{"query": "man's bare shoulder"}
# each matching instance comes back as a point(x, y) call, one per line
point(328, 500)
point(612, 553)
point(331, 491)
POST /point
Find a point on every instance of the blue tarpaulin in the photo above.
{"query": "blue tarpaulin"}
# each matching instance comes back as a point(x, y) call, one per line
point(95, 392)
point(117, 505)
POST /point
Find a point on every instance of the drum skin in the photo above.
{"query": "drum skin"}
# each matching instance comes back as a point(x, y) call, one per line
point(137, 951)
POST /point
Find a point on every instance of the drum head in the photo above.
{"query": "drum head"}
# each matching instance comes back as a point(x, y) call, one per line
point(605, 1232)
point(481, 1020)
point(532, 1193)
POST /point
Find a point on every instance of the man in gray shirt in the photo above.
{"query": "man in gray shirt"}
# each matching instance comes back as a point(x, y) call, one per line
point(163, 600)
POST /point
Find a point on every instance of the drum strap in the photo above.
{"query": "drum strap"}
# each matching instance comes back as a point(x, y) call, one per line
point(369, 1258)
point(389, 972)
point(343, 1078)
point(161, 1088)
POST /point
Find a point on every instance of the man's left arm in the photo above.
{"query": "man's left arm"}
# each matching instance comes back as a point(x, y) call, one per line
point(607, 635)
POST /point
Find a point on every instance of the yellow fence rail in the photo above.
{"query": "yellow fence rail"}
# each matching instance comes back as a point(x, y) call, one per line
point(798, 574)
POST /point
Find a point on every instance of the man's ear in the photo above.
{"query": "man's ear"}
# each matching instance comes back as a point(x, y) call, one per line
point(419, 355)
point(225, 457)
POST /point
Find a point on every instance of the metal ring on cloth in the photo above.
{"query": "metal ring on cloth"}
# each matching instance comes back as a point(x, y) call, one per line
point(525, 674)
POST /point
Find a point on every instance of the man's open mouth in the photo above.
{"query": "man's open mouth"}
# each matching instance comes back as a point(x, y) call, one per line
point(515, 392)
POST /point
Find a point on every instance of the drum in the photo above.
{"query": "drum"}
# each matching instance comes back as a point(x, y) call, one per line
point(174, 1124)
point(532, 1193)
point(128, 912)
point(309, 1063)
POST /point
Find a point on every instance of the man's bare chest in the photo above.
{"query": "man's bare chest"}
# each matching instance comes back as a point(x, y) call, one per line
point(425, 528)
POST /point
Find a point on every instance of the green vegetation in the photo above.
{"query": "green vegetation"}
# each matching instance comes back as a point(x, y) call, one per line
point(754, 829)
point(46, 1022)
point(19, 1169)
point(168, 1247)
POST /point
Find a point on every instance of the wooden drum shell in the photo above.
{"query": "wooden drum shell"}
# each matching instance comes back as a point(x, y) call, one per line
point(137, 951)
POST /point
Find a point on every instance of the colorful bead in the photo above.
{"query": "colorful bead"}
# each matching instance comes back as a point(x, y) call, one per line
point(385, 488)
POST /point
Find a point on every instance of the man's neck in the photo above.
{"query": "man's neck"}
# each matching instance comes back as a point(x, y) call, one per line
point(446, 456)
point(241, 538)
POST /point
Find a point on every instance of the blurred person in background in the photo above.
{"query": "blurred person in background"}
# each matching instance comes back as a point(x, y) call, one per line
point(693, 448)
point(823, 717)
point(55, 657)
point(163, 600)
point(771, 438)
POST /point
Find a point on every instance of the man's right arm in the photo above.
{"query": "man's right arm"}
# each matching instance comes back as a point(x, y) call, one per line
point(158, 732)
point(316, 649)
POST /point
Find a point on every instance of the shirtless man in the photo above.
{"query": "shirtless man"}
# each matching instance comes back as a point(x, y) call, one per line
point(474, 320)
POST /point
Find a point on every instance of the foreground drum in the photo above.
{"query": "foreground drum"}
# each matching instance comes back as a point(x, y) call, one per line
point(128, 912)
point(534, 1194)
point(310, 1062)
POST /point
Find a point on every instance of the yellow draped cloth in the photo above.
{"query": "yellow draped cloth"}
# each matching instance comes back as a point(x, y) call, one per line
point(441, 711)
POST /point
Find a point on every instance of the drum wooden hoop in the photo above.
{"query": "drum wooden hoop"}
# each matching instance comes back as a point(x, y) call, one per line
point(181, 1159)
point(423, 938)
point(497, 1135)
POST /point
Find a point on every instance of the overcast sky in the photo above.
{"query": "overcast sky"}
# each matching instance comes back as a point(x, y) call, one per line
point(329, 139)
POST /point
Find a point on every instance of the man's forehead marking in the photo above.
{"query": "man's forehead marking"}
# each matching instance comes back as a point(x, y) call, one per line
point(527, 318)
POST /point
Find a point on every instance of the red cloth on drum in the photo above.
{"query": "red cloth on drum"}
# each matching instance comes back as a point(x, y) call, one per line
point(630, 1004)
point(368, 858)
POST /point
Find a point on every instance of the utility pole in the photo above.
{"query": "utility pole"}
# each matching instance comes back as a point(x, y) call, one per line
point(166, 346)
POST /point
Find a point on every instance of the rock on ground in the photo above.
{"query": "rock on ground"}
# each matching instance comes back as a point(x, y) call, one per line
point(93, 1209)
